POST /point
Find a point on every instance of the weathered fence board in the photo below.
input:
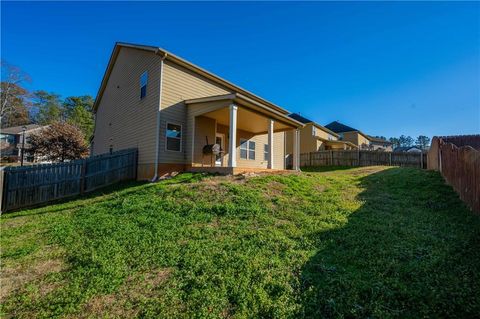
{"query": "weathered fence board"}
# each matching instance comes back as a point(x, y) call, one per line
point(459, 165)
point(32, 185)
point(362, 158)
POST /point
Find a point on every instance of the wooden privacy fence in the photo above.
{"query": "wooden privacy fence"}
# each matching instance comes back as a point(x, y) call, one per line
point(459, 165)
point(32, 185)
point(362, 158)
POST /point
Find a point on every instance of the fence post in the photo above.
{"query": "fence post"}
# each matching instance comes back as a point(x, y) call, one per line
point(135, 164)
point(331, 157)
point(310, 156)
point(421, 160)
point(82, 176)
point(358, 156)
point(390, 159)
point(439, 158)
point(3, 189)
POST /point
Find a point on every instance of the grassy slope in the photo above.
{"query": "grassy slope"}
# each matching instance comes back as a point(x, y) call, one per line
point(357, 242)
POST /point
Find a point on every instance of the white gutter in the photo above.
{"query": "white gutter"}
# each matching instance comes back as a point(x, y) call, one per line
point(157, 137)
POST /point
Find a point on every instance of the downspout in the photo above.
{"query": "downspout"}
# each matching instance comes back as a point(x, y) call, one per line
point(157, 137)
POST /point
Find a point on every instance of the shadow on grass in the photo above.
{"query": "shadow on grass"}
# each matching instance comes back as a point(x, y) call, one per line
point(75, 201)
point(78, 201)
point(411, 250)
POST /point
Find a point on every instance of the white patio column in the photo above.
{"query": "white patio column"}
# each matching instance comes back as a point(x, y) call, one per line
point(270, 143)
point(232, 140)
point(296, 147)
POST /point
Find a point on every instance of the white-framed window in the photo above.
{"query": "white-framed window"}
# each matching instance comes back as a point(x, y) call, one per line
point(143, 84)
point(265, 152)
point(247, 149)
point(314, 130)
point(330, 137)
point(174, 137)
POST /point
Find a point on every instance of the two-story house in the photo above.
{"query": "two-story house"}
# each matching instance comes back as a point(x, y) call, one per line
point(11, 142)
point(315, 137)
point(173, 112)
point(360, 139)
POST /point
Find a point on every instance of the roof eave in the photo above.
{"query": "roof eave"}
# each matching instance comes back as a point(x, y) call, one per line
point(239, 98)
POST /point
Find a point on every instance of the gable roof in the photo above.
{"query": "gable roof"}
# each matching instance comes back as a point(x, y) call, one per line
point(378, 140)
point(304, 120)
point(300, 118)
point(19, 129)
point(338, 127)
point(171, 57)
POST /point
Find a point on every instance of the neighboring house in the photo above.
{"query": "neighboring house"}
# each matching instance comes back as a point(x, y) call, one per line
point(11, 139)
point(407, 149)
point(314, 137)
point(380, 144)
point(360, 139)
point(170, 109)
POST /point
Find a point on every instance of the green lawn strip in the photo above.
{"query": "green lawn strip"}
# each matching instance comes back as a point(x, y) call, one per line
point(366, 242)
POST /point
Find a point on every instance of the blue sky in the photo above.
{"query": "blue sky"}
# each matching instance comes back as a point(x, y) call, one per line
point(384, 68)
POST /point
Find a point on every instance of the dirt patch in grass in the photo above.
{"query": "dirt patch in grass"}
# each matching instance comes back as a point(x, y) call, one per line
point(135, 288)
point(366, 170)
point(275, 188)
point(319, 188)
point(14, 278)
point(15, 222)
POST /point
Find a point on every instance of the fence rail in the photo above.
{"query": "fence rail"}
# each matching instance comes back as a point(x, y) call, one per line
point(362, 158)
point(32, 185)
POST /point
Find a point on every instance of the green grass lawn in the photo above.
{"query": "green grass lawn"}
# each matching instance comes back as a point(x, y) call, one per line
point(363, 242)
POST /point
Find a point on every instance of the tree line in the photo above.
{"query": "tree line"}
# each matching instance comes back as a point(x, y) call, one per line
point(422, 141)
point(69, 122)
point(19, 106)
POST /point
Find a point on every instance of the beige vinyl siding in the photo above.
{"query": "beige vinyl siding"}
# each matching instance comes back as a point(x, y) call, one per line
point(289, 141)
point(308, 143)
point(278, 150)
point(180, 84)
point(193, 112)
point(351, 137)
point(321, 133)
point(260, 141)
point(123, 120)
point(362, 140)
point(320, 145)
point(206, 127)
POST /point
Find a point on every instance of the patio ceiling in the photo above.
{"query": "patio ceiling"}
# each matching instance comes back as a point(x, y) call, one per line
point(251, 116)
point(246, 120)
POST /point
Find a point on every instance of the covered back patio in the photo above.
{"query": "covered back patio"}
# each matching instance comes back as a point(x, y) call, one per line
point(249, 135)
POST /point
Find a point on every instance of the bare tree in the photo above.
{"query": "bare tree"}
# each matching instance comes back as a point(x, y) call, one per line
point(12, 94)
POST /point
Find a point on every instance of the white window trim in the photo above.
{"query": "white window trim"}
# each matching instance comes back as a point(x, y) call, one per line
point(265, 152)
point(166, 137)
point(247, 149)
